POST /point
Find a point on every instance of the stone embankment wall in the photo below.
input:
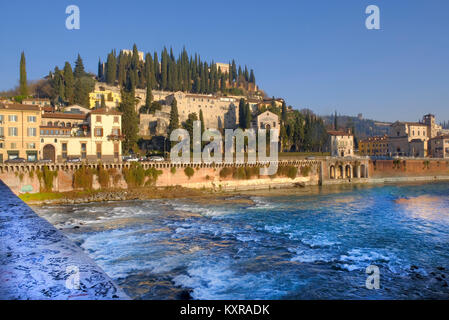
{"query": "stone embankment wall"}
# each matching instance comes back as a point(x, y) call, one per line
point(408, 168)
point(24, 178)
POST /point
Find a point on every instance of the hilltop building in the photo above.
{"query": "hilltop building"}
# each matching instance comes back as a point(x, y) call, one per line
point(130, 52)
point(218, 112)
point(112, 98)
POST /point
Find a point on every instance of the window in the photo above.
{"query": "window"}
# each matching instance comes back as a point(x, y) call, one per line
point(98, 132)
point(98, 150)
point(13, 132)
point(83, 151)
point(31, 145)
point(32, 132)
point(13, 145)
point(31, 118)
point(64, 150)
point(115, 131)
point(1, 118)
point(2, 131)
point(98, 119)
point(12, 118)
point(116, 150)
point(115, 119)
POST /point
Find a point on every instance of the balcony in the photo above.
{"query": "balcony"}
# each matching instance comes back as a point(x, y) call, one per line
point(116, 137)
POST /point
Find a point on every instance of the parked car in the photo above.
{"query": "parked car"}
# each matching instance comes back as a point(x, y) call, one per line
point(156, 158)
point(44, 161)
point(73, 160)
point(143, 158)
point(16, 160)
point(130, 159)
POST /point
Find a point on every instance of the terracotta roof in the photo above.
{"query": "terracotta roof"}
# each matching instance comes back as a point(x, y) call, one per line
point(105, 111)
point(17, 106)
point(443, 136)
point(339, 133)
point(62, 115)
point(36, 99)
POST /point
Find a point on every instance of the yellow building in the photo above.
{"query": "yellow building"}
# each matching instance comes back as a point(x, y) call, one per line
point(19, 132)
point(95, 136)
point(374, 146)
point(112, 99)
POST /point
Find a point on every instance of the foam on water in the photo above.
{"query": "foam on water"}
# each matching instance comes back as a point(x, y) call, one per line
point(281, 247)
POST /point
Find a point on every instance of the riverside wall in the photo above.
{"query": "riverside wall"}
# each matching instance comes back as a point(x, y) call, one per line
point(23, 178)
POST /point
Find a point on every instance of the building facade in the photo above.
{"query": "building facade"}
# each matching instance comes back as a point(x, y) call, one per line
point(374, 146)
point(439, 147)
point(19, 132)
point(218, 112)
point(112, 98)
point(341, 143)
point(95, 136)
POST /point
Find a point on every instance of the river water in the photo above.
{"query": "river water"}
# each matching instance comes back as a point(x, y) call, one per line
point(285, 245)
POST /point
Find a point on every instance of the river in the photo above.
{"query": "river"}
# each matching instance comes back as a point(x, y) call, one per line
point(282, 245)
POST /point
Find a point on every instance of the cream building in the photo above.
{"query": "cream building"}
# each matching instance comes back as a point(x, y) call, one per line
point(341, 143)
point(95, 136)
point(37, 102)
point(218, 112)
point(412, 138)
point(19, 132)
point(439, 147)
point(267, 120)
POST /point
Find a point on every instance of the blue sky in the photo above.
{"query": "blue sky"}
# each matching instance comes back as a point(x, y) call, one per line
point(316, 54)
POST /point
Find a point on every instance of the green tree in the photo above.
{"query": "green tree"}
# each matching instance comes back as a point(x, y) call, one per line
point(23, 76)
point(111, 69)
point(242, 113)
point(284, 112)
point(130, 120)
point(69, 81)
point(203, 127)
point(103, 102)
point(174, 117)
point(79, 68)
point(248, 116)
point(83, 86)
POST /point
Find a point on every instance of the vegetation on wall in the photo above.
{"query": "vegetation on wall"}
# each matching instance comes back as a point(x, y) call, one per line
point(189, 172)
point(46, 177)
point(137, 176)
point(83, 178)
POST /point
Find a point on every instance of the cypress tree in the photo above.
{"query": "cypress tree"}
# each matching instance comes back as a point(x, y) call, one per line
point(242, 113)
point(203, 127)
point(284, 112)
point(100, 74)
point(111, 69)
point(79, 68)
point(130, 120)
point(23, 76)
point(69, 83)
point(252, 78)
point(248, 116)
point(103, 102)
point(174, 117)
